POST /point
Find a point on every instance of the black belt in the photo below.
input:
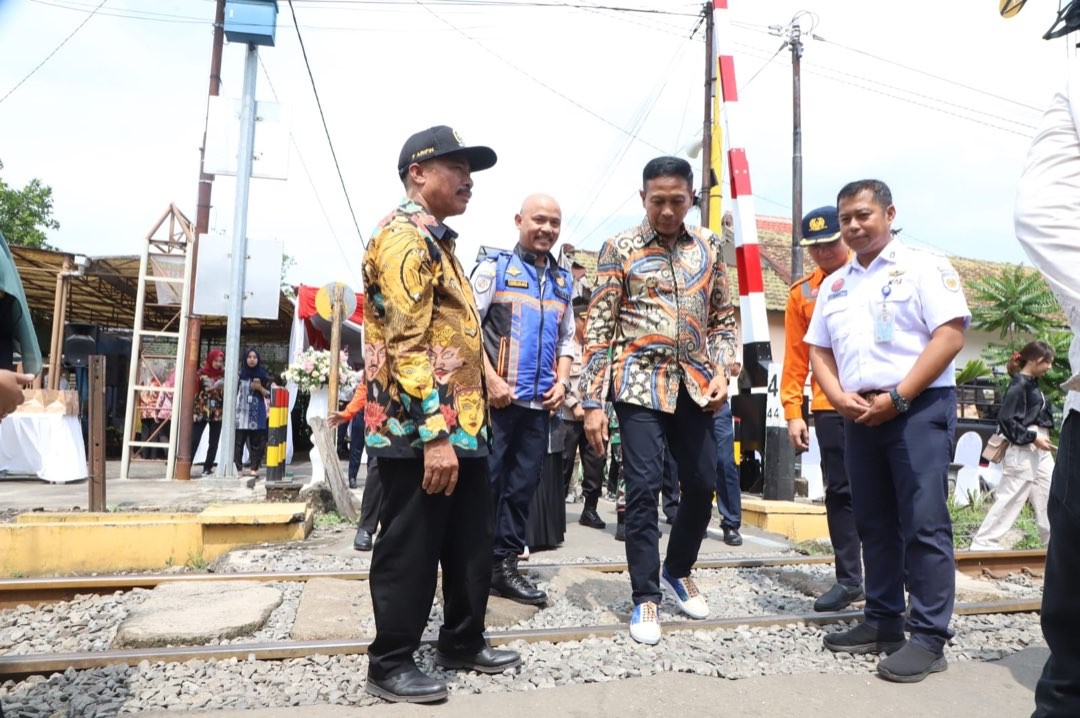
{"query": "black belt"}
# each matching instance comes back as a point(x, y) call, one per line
point(870, 395)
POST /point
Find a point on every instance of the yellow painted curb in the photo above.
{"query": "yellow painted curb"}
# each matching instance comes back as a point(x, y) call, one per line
point(38, 544)
point(797, 521)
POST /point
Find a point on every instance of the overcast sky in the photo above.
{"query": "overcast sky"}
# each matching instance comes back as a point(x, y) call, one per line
point(939, 99)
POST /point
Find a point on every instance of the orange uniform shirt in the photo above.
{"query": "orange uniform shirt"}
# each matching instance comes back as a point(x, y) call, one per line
point(357, 403)
point(800, 308)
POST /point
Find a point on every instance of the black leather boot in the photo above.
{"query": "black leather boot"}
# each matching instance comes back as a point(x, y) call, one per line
point(507, 582)
point(620, 526)
point(589, 517)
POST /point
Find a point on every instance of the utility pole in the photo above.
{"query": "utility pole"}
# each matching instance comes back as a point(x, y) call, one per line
point(796, 154)
point(792, 35)
point(707, 178)
point(186, 405)
point(239, 258)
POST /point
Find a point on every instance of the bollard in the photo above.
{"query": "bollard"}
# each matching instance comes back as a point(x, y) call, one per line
point(276, 439)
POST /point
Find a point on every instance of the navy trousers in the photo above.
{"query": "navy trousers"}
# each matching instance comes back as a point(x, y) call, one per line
point(519, 443)
point(728, 491)
point(372, 499)
point(647, 436)
point(669, 489)
point(829, 427)
point(899, 483)
point(1057, 694)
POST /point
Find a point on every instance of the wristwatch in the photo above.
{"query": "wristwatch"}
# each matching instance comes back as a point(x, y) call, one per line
point(566, 385)
point(899, 403)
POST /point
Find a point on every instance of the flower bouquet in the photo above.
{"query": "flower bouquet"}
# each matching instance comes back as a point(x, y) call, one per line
point(311, 369)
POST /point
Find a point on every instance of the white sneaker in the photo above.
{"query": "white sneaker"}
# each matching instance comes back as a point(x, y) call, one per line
point(690, 600)
point(645, 624)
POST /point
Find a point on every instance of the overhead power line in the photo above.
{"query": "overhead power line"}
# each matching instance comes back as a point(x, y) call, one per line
point(326, 127)
point(55, 50)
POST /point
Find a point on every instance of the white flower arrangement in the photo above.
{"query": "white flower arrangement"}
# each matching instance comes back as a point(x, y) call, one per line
point(348, 381)
point(311, 369)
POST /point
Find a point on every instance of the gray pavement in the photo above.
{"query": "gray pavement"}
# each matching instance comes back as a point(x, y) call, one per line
point(967, 690)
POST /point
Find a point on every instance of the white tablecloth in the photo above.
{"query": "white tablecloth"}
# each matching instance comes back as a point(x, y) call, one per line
point(47, 445)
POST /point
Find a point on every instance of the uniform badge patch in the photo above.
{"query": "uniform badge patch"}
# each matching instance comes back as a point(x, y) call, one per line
point(951, 280)
point(513, 271)
point(483, 283)
point(838, 285)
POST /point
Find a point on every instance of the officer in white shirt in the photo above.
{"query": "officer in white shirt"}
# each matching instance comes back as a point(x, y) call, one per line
point(1048, 227)
point(883, 337)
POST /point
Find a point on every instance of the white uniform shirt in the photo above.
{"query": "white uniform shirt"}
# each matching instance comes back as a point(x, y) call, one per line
point(919, 292)
point(1048, 210)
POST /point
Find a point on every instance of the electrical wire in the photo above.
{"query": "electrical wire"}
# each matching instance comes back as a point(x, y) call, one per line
point(326, 127)
point(532, 77)
point(350, 262)
point(55, 50)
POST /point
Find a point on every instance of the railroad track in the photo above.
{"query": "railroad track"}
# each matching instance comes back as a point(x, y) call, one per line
point(37, 591)
point(49, 590)
point(18, 667)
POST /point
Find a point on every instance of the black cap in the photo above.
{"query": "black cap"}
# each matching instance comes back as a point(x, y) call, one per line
point(442, 140)
point(820, 226)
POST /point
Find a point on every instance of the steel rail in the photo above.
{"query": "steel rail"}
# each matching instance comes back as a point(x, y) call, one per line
point(15, 667)
point(34, 591)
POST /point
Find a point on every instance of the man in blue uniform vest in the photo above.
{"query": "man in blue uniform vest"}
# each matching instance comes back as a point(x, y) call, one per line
point(524, 302)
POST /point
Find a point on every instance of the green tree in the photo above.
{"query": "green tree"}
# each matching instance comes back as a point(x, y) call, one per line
point(1018, 305)
point(25, 214)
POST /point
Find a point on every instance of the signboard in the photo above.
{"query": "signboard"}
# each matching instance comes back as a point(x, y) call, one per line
point(262, 278)
point(271, 154)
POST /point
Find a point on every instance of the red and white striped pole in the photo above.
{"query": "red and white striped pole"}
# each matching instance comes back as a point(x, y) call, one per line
point(762, 420)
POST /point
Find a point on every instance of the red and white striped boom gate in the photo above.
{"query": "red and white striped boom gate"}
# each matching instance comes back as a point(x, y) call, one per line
point(765, 448)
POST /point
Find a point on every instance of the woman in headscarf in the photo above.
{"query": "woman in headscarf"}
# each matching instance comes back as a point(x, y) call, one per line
point(207, 409)
point(251, 398)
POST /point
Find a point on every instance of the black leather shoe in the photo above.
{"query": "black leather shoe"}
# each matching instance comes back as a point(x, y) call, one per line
point(412, 686)
point(620, 529)
point(352, 482)
point(489, 660)
point(911, 664)
point(864, 639)
point(362, 542)
point(507, 582)
point(732, 537)
point(590, 518)
point(838, 598)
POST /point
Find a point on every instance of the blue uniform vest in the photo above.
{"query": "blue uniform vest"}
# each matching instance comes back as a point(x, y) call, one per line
point(521, 328)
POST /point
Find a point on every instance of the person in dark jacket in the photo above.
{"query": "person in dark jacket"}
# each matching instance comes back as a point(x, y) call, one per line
point(1025, 420)
point(251, 414)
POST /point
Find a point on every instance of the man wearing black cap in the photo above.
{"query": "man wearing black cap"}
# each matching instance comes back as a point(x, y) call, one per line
point(821, 237)
point(425, 421)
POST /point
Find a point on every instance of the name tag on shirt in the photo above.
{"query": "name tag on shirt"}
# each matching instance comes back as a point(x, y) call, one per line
point(517, 283)
point(883, 328)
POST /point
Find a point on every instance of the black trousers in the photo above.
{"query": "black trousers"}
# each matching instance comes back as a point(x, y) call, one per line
point(372, 499)
point(519, 443)
point(592, 463)
point(419, 532)
point(256, 442)
point(648, 436)
point(1057, 694)
point(212, 444)
point(829, 427)
point(899, 474)
point(669, 489)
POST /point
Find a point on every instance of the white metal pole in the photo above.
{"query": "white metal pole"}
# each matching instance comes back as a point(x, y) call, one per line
point(239, 256)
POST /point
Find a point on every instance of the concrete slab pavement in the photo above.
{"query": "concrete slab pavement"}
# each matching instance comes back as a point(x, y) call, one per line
point(967, 690)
